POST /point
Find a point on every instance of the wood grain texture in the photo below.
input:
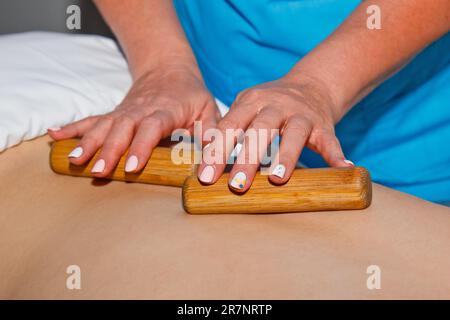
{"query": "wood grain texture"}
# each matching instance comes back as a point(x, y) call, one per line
point(307, 190)
point(159, 170)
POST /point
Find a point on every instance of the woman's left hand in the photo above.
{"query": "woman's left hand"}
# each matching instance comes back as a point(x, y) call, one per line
point(305, 114)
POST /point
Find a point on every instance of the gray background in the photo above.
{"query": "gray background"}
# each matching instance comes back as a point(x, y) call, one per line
point(48, 15)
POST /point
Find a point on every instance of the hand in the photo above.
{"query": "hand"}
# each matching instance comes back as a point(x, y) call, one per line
point(160, 101)
point(302, 110)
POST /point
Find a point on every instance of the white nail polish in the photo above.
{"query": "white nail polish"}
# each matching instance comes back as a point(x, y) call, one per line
point(131, 164)
point(239, 180)
point(54, 129)
point(99, 166)
point(207, 174)
point(279, 171)
point(349, 162)
point(76, 153)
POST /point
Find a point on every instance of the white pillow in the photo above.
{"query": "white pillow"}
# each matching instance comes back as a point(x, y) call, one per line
point(51, 79)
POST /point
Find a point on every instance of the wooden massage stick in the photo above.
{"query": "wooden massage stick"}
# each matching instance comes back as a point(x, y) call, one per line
point(159, 170)
point(307, 190)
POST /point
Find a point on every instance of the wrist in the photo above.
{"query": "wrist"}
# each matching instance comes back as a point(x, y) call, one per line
point(318, 91)
point(170, 72)
point(159, 63)
point(145, 56)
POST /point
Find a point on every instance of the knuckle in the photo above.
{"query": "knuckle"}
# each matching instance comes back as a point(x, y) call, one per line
point(138, 146)
point(261, 124)
point(113, 145)
point(297, 119)
point(156, 122)
point(299, 128)
point(124, 120)
point(302, 132)
point(241, 94)
point(319, 136)
point(227, 124)
point(148, 121)
point(153, 123)
point(90, 140)
point(254, 93)
point(166, 101)
point(326, 144)
point(108, 118)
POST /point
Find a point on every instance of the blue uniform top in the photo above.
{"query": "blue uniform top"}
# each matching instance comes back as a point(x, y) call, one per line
point(400, 132)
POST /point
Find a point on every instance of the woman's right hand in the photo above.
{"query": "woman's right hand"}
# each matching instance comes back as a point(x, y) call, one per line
point(161, 100)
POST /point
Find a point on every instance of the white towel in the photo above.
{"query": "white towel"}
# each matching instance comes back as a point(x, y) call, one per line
point(51, 79)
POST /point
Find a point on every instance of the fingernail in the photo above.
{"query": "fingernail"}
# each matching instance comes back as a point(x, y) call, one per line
point(349, 162)
point(207, 174)
point(99, 166)
point(131, 164)
point(239, 180)
point(279, 171)
point(76, 153)
point(54, 129)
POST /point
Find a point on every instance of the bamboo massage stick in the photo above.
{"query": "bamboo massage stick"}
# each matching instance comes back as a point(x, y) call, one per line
point(159, 170)
point(307, 190)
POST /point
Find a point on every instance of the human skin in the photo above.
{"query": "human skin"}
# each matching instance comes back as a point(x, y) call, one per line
point(318, 91)
point(133, 241)
point(305, 104)
point(168, 92)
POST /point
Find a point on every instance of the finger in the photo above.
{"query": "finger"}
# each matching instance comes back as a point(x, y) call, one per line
point(91, 141)
point(209, 119)
point(294, 136)
point(151, 130)
point(114, 146)
point(257, 138)
point(328, 146)
point(75, 129)
point(229, 131)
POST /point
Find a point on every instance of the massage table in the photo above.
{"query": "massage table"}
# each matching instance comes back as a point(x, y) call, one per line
point(134, 241)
